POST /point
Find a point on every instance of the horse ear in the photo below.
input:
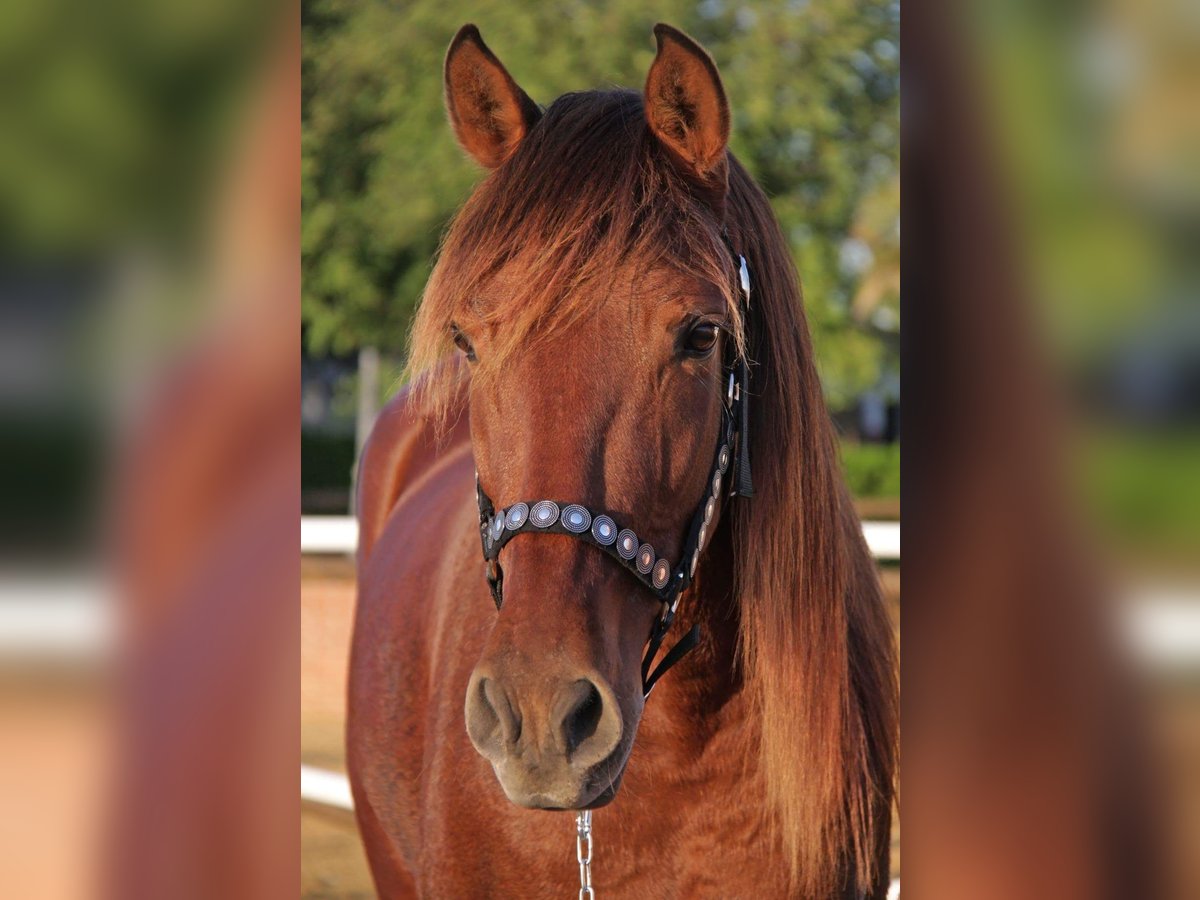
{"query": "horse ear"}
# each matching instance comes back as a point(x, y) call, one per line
point(488, 110)
point(686, 107)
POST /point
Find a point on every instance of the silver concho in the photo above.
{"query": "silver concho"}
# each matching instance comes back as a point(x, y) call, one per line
point(604, 530)
point(627, 544)
point(695, 559)
point(517, 516)
point(709, 508)
point(662, 574)
point(703, 535)
point(645, 559)
point(723, 459)
point(717, 484)
point(576, 519)
point(497, 526)
point(544, 513)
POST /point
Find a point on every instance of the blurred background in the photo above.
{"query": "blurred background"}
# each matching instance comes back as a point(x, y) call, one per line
point(1052, 529)
point(149, 304)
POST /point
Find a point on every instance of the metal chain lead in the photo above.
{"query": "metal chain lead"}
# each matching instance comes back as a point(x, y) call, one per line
point(583, 853)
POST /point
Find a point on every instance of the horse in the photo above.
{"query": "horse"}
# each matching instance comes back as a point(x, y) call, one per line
point(577, 340)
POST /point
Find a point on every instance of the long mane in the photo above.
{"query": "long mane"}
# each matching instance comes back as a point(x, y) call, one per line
point(587, 190)
point(816, 642)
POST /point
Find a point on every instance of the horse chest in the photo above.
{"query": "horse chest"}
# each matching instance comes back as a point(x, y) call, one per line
point(690, 827)
point(677, 830)
point(714, 847)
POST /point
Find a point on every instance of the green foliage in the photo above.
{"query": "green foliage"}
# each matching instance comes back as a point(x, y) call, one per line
point(872, 470)
point(326, 461)
point(813, 85)
point(115, 119)
point(1143, 490)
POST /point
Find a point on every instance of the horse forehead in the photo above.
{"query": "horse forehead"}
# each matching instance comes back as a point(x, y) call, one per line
point(611, 351)
point(577, 374)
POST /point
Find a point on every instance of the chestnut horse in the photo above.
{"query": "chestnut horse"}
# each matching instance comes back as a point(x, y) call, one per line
point(589, 288)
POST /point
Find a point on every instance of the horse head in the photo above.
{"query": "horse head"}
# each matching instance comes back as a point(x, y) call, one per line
point(594, 310)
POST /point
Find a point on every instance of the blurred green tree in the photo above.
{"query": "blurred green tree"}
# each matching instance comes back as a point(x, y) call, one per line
point(814, 86)
point(116, 123)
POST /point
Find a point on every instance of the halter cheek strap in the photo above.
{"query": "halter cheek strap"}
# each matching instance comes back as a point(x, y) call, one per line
point(665, 580)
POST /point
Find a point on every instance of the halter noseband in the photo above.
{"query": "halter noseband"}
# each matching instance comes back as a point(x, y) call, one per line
point(666, 582)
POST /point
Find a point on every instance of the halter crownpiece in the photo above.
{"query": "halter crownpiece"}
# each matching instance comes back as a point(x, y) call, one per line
point(666, 580)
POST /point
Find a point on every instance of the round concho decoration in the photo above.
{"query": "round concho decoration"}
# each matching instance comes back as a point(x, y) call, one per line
point(576, 519)
point(517, 516)
point(627, 544)
point(544, 513)
point(717, 484)
point(695, 559)
point(709, 508)
point(703, 535)
point(604, 530)
point(645, 559)
point(497, 526)
point(662, 574)
point(723, 459)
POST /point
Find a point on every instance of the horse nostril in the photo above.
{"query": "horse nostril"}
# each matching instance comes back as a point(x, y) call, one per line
point(589, 728)
point(580, 722)
point(492, 722)
point(502, 708)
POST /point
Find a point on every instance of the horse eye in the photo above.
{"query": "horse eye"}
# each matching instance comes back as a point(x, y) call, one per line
point(462, 342)
point(701, 339)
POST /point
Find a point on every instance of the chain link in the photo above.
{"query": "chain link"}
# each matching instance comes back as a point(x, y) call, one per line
point(583, 853)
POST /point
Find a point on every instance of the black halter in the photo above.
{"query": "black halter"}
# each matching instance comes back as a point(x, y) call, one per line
point(666, 581)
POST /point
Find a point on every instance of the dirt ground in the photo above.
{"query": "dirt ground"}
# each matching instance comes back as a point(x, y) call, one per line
point(332, 862)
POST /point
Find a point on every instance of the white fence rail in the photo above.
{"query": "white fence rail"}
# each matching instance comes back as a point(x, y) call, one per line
point(328, 534)
point(339, 534)
point(325, 788)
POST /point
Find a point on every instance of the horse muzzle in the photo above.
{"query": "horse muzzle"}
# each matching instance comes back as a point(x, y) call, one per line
point(554, 743)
